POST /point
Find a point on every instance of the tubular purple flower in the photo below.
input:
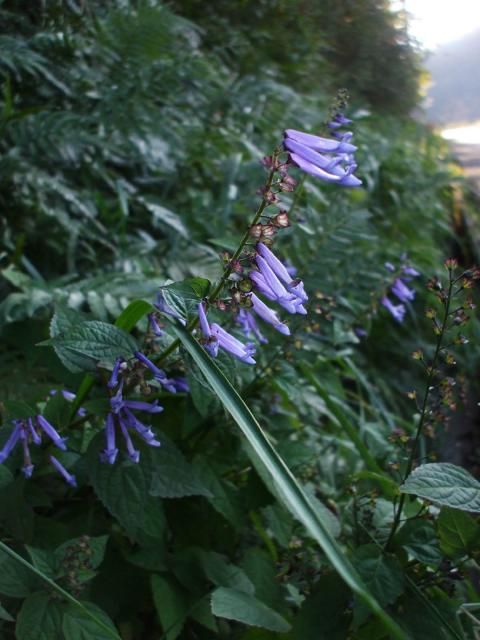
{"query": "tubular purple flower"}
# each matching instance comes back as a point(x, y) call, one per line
point(228, 342)
point(211, 343)
point(398, 311)
point(324, 145)
point(68, 477)
point(28, 467)
point(109, 454)
point(113, 381)
point(139, 405)
point(410, 271)
point(268, 315)
point(181, 384)
point(12, 441)
point(348, 180)
point(133, 453)
point(249, 326)
point(51, 433)
point(158, 374)
point(389, 266)
point(36, 438)
point(154, 326)
point(402, 292)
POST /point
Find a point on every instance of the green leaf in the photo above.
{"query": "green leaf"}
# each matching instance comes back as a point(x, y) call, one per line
point(44, 560)
point(172, 475)
point(266, 457)
point(78, 626)
point(16, 410)
point(16, 581)
point(63, 321)
point(243, 607)
point(95, 341)
point(183, 297)
point(40, 618)
point(459, 533)
point(445, 484)
point(224, 574)
point(260, 569)
point(132, 314)
point(324, 615)
point(382, 574)
point(171, 605)
point(419, 539)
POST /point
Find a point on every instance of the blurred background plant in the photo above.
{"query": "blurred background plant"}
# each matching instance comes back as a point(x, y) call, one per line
point(132, 134)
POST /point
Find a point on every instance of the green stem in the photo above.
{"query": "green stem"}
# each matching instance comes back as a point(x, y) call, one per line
point(423, 411)
point(229, 267)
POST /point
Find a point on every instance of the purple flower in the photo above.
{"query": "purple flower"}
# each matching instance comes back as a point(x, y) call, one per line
point(26, 432)
point(389, 266)
point(360, 332)
point(274, 281)
point(181, 384)
point(211, 342)
point(339, 120)
point(398, 311)
point(268, 315)
point(158, 374)
point(402, 292)
point(121, 415)
point(308, 153)
point(68, 477)
point(215, 337)
point(410, 271)
point(154, 326)
point(249, 326)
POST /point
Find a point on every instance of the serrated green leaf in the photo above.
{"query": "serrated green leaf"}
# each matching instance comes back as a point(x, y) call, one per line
point(243, 607)
point(266, 457)
point(459, 533)
point(419, 539)
point(15, 581)
point(4, 615)
point(78, 626)
point(95, 341)
point(445, 484)
point(40, 618)
point(382, 574)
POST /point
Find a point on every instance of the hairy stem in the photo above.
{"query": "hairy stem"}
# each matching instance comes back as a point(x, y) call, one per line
point(229, 266)
point(423, 411)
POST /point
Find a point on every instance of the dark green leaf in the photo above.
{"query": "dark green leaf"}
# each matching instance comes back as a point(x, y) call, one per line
point(419, 539)
point(132, 314)
point(459, 533)
point(171, 604)
point(243, 607)
point(78, 626)
point(40, 618)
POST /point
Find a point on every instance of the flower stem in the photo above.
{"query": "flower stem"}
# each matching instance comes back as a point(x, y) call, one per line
point(229, 266)
point(423, 411)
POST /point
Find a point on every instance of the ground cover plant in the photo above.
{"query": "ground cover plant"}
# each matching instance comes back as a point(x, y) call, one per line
point(236, 322)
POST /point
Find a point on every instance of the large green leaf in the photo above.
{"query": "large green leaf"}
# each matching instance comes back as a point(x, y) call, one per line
point(95, 341)
point(40, 618)
point(77, 625)
point(445, 484)
point(265, 457)
point(243, 607)
point(459, 533)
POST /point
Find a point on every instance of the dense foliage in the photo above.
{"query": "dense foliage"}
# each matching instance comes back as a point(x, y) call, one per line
point(132, 140)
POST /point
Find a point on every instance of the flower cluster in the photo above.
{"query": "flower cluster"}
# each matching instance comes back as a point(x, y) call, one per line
point(29, 431)
point(329, 159)
point(400, 290)
point(121, 417)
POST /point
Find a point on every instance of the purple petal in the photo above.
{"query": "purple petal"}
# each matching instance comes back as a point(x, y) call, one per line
point(138, 405)
point(109, 454)
point(51, 433)
point(68, 477)
point(11, 442)
point(268, 315)
point(202, 316)
point(317, 143)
